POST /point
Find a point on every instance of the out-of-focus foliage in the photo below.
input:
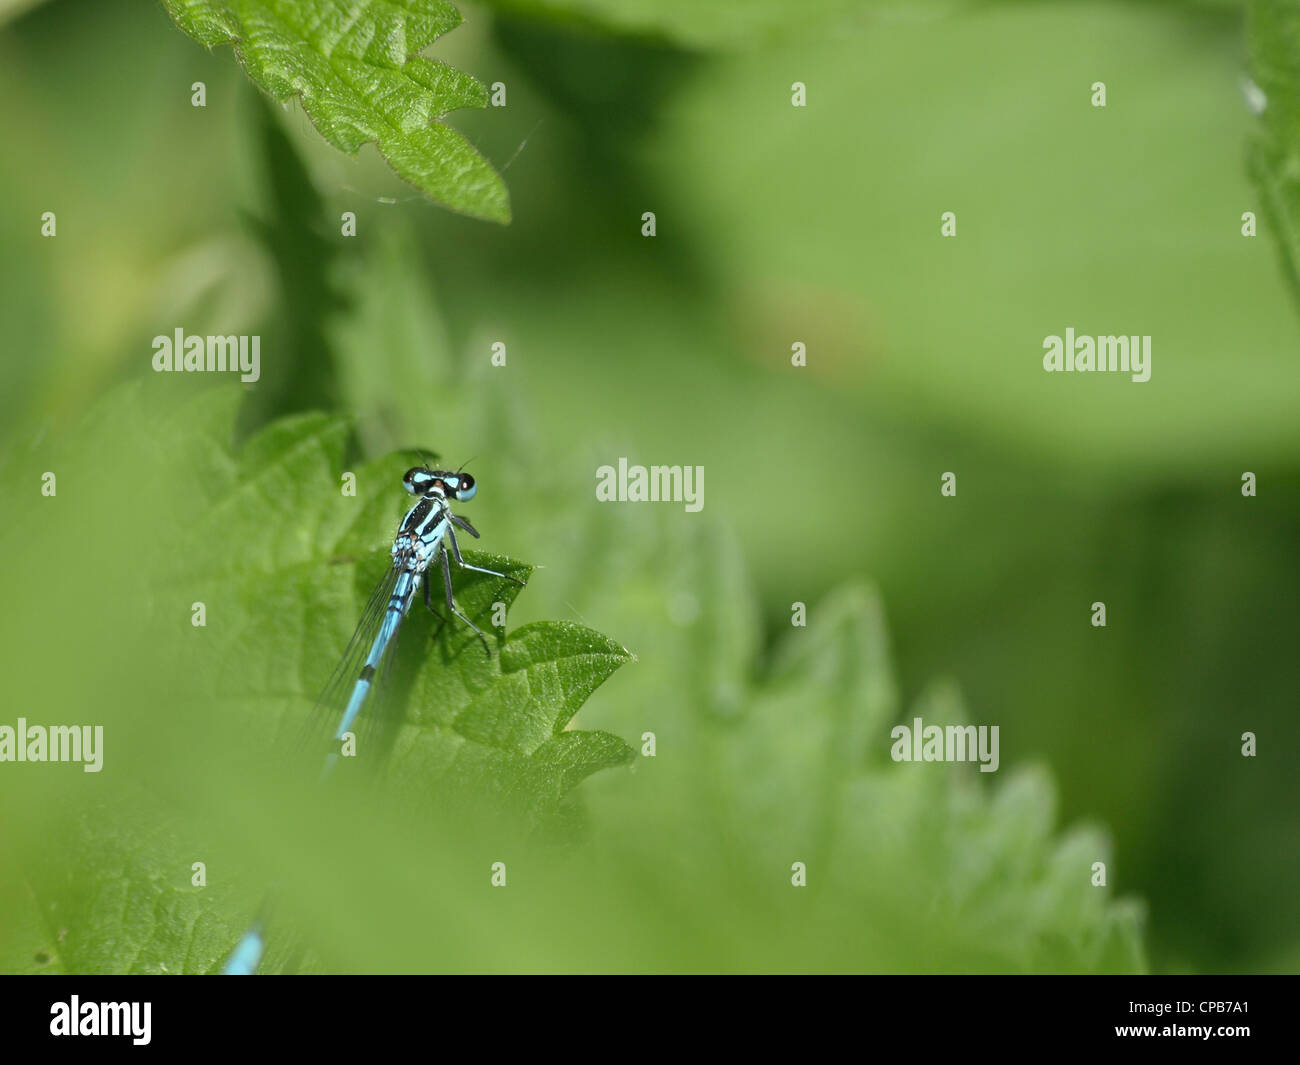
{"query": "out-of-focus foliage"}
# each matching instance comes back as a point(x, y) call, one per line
point(283, 605)
point(775, 224)
point(745, 778)
point(726, 24)
point(1275, 148)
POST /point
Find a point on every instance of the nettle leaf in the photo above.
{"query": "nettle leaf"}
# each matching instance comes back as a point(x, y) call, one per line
point(1274, 155)
point(1006, 895)
point(282, 559)
point(914, 867)
point(504, 719)
point(355, 68)
point(300, 581)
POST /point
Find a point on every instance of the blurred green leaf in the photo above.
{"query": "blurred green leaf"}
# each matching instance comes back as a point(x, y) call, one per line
point(127, 905)
point(925, 867)
point(862, 292)
point(476, 726)
point(360, 80)
point(761, 761)
point(11, 9)
point(1274, 33)
point(720, 23)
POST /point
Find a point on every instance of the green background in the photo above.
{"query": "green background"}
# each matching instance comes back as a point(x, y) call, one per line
point(775, 225)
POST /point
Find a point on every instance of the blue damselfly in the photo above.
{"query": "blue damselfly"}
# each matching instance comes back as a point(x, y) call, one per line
point(426, 535)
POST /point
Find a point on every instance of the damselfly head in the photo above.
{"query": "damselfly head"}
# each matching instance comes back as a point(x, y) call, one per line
point(423, 482)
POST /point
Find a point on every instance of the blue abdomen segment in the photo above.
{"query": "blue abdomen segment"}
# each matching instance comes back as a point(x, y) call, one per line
point(403, 591)
point(244, 959)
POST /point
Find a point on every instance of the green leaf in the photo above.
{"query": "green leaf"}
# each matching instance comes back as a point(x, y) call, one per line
point(355, 68)
point(703, 145)
point(282, 560)
point(500, 722)
point(929, 867)
point(1274, 156)
point(137, 912)
point(313, 553)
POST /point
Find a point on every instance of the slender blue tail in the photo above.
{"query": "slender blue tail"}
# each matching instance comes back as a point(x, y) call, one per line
point(397, 605)
point(246, 956)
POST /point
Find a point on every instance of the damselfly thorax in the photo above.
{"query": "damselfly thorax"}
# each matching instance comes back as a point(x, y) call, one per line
point(420, 534)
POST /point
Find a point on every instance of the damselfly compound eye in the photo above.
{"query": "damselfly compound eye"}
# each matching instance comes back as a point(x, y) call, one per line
point(416, 480)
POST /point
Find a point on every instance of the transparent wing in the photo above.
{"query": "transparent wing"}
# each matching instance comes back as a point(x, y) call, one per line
point(315, 739)
point(380, 714)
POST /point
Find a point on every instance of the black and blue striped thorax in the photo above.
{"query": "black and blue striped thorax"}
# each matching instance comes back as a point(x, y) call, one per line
point(421, 530)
